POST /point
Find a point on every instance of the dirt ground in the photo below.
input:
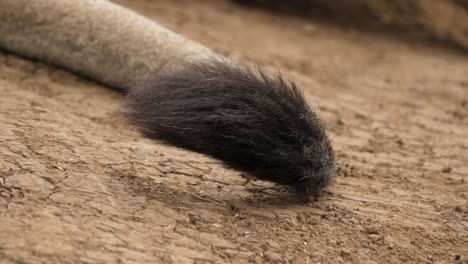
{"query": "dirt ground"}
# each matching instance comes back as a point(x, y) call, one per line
point(79, 185)
point(445, 21)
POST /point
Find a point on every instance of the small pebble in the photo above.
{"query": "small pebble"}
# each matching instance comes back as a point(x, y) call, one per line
point(447, 170)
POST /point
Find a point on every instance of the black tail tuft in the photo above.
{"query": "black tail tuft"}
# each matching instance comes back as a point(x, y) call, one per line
point(252, 122)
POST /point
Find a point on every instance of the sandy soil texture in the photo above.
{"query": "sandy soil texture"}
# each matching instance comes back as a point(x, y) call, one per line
point(79, 185)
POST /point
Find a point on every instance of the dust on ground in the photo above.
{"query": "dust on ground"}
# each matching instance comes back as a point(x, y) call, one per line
point(78, 184)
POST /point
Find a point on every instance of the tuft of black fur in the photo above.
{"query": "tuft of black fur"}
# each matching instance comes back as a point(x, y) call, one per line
point(252, 122)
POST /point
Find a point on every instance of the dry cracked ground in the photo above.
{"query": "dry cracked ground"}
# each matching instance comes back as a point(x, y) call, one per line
point(80, 185)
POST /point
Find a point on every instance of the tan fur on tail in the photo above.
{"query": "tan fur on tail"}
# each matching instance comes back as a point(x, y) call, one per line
point(96, 38)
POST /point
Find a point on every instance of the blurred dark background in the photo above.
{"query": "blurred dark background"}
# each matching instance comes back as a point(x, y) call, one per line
point(444, 21)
